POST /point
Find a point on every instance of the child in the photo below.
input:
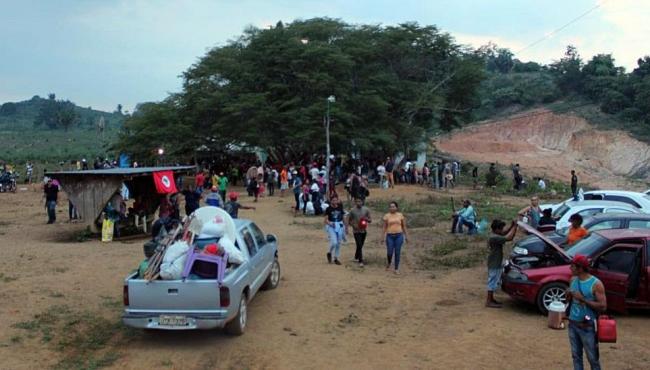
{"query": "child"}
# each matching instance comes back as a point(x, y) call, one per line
point(232, 206)
point(576, 231)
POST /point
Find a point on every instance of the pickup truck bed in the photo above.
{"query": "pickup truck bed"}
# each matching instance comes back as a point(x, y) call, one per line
point(206, 303)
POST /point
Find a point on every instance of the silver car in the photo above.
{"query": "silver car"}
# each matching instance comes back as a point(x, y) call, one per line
point(204, 303)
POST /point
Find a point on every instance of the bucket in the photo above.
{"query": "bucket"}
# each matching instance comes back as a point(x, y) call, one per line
point(556, 315)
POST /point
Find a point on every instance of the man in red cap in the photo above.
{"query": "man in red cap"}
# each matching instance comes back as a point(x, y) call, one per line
point(586, 296)
point(233, 206)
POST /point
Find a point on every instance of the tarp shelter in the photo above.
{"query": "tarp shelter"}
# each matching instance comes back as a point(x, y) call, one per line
point(89, 191)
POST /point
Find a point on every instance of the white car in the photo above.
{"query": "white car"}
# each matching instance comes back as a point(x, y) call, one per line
point(588, 208)
point(635, 199)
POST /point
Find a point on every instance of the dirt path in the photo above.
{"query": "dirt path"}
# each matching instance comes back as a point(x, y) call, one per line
point(321, 317)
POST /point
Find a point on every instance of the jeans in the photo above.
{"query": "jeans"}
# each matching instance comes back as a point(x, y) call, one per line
point(359, 239)
point(471, 226)
point(297, 196)
point(394, 246)
point(335, 236)
point(72, 211)
point(494, 279)
point(584, 338)
point(51, 211)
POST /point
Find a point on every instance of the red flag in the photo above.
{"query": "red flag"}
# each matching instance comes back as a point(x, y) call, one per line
point(164, 181)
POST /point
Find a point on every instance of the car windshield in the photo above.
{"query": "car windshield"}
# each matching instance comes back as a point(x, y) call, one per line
point(587, 246)
point(561, 211)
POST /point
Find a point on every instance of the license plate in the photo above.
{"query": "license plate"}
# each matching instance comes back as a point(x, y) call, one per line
point(172, 320)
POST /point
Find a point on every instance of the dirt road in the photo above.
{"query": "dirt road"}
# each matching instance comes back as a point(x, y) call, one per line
point(54, 290)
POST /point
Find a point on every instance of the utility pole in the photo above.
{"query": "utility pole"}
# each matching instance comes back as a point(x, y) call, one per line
point(330, 99)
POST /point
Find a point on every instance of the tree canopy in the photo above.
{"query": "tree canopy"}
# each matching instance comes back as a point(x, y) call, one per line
point(393, 85)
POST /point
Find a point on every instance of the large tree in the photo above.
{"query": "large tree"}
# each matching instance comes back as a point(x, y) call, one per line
point(268, 89)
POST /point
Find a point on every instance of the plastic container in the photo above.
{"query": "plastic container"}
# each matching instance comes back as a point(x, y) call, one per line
point(606, 329)
point(556, 315)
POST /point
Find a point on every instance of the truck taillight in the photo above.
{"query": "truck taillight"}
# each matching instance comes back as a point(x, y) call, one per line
point(125, 295)
point(224, 296)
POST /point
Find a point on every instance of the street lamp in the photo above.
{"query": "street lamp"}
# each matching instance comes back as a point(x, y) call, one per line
point(161, 152)
point(330, 99)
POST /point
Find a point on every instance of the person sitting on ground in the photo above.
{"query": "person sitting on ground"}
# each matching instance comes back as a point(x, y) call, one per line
point(576, 231)
point(547, 218)
point(233, 207)
point(496, 242)
point(466, 216)
point(214, 199)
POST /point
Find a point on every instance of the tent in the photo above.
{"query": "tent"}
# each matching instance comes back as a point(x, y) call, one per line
point(89, 191)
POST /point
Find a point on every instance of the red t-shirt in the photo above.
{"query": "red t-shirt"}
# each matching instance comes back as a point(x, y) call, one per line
point(199, 179)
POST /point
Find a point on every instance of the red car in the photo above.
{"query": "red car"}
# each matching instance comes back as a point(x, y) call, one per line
point(619, 258)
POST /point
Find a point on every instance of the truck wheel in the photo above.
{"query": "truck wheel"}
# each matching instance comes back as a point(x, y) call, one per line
point(238, 324)
point(549, 293)
point(273, 280)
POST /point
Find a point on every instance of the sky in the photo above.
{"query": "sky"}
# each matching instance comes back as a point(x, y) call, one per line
point(101, 53)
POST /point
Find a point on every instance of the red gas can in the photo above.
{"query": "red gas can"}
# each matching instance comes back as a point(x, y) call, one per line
point(606, 329)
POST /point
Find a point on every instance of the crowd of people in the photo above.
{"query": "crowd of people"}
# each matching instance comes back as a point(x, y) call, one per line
point(308, 182)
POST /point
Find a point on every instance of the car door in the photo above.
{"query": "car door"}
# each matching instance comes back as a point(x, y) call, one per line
point(613, 267)
point(254, 258)
point(265, 253)
point(644, 279)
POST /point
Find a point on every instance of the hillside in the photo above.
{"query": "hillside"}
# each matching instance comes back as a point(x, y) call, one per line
point(550, 145)
point(22, 115)
point(22, 140)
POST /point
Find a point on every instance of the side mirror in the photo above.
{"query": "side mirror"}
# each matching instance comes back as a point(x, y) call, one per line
point(270, 238)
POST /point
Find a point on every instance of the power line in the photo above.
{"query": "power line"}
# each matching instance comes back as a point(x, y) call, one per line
point(557, 30)
point(534, 43)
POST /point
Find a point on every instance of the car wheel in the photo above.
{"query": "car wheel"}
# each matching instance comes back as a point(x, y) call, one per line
point(273, 280)
point(549, 293)
point(238, 325)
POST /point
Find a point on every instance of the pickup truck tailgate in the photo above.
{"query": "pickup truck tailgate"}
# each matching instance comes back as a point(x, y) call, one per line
point(188, 295)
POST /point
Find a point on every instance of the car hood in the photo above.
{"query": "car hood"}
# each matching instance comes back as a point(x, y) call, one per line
point(544, 238)
point(533, 242)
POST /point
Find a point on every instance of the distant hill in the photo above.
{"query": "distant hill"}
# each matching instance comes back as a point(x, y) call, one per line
point(22, 115)
point(22, 140)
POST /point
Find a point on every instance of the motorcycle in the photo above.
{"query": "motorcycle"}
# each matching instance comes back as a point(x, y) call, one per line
point(8, 182)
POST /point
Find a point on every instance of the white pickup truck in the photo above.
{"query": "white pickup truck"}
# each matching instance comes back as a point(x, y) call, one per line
point(206, 303)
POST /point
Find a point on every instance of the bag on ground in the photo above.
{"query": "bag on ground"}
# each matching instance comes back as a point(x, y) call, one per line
point(107, 230)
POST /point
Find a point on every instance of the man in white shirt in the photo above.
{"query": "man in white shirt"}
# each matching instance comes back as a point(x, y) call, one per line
point(314, 173)
point(381, 172)
point(541, 184)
